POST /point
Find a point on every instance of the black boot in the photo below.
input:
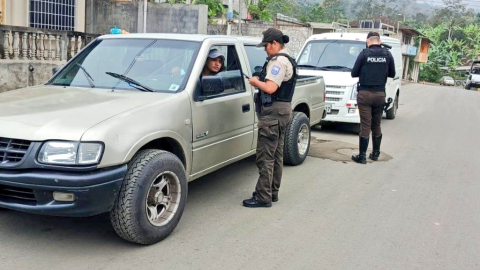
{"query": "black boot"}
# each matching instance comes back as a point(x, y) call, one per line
point(376, 140)
point(362, 156)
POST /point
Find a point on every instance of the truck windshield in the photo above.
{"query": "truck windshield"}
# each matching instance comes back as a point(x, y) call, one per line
point(334, 55)
point(131, 64)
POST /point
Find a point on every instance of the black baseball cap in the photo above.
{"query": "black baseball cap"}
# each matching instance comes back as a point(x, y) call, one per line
point(270, 35)
point(372, 34)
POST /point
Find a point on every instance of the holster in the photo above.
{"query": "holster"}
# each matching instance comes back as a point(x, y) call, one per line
point(258, 102)
point(387, 104)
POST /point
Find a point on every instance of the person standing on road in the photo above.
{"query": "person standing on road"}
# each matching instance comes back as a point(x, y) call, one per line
point(273, 106)
point(373, 66)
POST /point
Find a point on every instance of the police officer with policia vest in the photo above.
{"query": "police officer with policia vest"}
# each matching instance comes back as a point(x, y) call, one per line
point(273, 106)
point(373, 66)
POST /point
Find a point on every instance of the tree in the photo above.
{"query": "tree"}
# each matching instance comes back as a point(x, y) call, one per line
point(333, 10)
point(215, 7)
point(452, 14)
point(260, 10)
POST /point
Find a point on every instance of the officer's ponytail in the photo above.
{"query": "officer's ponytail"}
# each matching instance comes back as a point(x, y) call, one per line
point(283, 40)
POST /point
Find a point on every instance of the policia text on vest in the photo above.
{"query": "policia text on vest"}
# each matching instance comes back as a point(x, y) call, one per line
point(373, 66)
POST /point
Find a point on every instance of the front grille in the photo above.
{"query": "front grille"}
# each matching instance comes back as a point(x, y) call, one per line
point(12, 150)
point(335, 86)
point(333, 99)
point(16, 194)
point(337, 93)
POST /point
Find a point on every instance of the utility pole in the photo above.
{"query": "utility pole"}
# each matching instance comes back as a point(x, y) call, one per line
point(145, 3)
point(240, 18)
point(229, 17)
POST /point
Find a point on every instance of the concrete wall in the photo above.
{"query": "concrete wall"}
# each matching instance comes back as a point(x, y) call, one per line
point(298, 34)
point(16, 74)
point(177, 18)
point(102, 15)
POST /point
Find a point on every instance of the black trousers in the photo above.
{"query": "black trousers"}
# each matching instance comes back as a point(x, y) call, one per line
point(370, 104)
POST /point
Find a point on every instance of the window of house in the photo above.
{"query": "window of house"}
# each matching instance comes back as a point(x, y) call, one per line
point(53, 14)
point(230, 75)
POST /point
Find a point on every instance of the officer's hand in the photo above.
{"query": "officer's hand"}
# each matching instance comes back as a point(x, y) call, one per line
point(254, 81)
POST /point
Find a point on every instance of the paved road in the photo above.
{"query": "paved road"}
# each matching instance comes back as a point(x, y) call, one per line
point(419, 210)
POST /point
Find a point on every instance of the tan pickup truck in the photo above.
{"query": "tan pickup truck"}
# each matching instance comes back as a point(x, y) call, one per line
point(127, 123)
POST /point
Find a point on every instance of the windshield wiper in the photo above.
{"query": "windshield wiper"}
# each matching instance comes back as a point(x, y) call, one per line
point(131, 82)
point(310, 66)
point(87, 75)
point(337, 67)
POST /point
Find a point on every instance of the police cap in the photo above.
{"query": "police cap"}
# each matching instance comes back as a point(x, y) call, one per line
point(270, 35)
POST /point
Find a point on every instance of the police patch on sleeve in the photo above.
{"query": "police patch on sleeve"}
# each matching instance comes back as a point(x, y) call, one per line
point(275, 70)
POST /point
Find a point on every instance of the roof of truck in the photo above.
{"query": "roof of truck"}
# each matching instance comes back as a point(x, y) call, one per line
point(188, 37)
point(350, 36)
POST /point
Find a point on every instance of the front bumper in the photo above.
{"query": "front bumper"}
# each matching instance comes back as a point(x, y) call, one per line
point(341, 114)
point(32, 191)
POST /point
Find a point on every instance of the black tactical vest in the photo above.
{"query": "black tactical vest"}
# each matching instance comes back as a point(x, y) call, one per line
point(374, 68)
point(285, 91)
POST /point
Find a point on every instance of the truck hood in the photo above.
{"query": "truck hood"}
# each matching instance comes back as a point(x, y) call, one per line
point(331, 77)
point(63, 113)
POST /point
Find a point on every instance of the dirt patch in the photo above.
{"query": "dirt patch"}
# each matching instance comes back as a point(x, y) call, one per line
point(339, 151)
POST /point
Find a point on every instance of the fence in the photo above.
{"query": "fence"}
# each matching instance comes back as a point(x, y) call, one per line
point(27, 55)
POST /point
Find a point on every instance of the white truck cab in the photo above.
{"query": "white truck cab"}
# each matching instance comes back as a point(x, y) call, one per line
point(333, 55)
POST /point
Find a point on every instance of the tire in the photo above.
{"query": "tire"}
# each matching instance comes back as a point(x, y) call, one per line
point(297, 140)
point(392, 112)
point(467, 87)
point(152, 176)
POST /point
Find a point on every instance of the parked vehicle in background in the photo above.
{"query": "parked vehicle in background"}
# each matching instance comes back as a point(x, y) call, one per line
point(447, 80)
point(473, 79)
point(333, 55)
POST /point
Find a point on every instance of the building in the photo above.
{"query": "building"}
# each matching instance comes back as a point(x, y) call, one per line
point(63, 15)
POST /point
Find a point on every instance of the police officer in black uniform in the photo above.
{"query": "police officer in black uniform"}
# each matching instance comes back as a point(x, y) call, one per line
point(276, 84)
point(373, 66)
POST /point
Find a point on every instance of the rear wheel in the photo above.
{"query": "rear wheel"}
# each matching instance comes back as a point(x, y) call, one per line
point(467, 86)
point(392, 112)
point(152, 198)
point(297, 140)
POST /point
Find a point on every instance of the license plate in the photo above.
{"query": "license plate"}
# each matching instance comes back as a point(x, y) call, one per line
point(328, 108)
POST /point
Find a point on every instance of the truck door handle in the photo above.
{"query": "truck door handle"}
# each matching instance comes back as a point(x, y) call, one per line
point(246, 108)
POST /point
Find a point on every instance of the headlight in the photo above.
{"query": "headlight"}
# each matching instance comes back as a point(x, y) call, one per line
point(354, 92)
point(70, 153)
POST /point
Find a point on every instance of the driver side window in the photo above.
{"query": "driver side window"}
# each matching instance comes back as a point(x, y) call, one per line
point(222, 73)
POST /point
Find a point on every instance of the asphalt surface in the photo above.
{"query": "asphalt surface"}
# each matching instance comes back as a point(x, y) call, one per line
point(417, 210)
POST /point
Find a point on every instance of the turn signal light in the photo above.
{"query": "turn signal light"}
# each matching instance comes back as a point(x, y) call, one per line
point(63, 197)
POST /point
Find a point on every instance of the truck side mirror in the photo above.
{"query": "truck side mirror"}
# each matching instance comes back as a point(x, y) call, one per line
point(212, 85)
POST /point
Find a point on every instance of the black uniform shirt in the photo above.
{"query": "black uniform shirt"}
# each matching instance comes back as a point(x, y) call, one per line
point(357, 68)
